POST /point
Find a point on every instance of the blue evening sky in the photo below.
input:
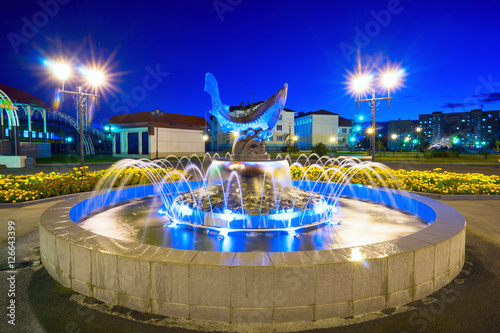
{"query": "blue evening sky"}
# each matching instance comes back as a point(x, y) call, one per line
point(158, 52)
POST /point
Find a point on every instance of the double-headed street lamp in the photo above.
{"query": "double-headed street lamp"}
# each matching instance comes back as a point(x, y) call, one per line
point(94, 78)
point(158, 114)
point(360, 83)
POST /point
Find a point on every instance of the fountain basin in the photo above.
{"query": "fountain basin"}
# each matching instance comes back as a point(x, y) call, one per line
point(256, 287)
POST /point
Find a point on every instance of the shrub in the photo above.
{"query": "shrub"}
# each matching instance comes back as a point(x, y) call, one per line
point(320, 149)
point(441, 154)
point(293, 149)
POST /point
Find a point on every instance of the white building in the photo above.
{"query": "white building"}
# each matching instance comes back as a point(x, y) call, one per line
point(344, 133)
point(220, 141)
point(135, 135)
point(315, 127)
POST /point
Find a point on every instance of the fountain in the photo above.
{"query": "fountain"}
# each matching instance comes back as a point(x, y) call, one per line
point(240, 242)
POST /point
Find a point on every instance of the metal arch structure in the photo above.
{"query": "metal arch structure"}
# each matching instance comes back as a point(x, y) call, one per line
point(12, 108)
point(29, 111)
point(89, 145)
point(12, 118)
point(9, 107)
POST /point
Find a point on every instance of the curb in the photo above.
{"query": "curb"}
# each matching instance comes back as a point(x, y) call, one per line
point(458, 196)
point(35, 202)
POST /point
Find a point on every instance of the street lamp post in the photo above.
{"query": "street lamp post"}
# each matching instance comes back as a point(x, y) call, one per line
point(289, 141)
point(108, 130)
point(394, 137)
point(158, 114)
point(95, 78)
point(332, 142)
point(360, 83)
point(205, 139)
point(373, 105)
point(418, 137)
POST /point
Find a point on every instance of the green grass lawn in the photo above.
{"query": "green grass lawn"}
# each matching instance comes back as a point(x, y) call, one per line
point(413, 157)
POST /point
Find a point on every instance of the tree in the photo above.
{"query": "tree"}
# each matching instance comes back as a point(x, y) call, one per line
point(320, 149)
point(497, 144)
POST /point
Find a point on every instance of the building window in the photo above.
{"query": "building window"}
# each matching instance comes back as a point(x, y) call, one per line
point(279, 128)
point(344, 130)
point(145, 143)
point(279, 138)
point(133, 143)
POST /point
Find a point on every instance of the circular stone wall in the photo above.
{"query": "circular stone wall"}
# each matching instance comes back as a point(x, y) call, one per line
point(256, 287)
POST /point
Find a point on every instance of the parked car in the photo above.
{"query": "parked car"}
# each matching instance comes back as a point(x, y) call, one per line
point(438, 147)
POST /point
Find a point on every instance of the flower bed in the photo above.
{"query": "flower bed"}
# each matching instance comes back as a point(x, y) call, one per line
point(435, 181)
point(31, 187)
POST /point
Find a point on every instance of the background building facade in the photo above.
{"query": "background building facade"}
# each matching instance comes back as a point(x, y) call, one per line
point(476, 128)
point(134, 135)
point(344, 133)
point(314, 127)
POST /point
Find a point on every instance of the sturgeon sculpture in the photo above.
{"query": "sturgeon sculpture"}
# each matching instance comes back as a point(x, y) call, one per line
point(252, 129)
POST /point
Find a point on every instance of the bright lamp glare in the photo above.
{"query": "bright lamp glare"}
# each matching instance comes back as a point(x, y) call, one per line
point(361, 83)
point(389, 79)
point(369, 130)
point(95, 78)
point(61, 70)
point(394, 136)
point(392, 77)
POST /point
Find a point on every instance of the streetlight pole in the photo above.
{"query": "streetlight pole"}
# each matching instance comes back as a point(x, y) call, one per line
point(158, 114)
point(80, 94)
point(394, 137)
point(290, 140)
point(372, 101)
point(95, 78)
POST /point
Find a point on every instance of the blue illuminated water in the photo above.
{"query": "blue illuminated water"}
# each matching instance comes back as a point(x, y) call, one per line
point(362, 222)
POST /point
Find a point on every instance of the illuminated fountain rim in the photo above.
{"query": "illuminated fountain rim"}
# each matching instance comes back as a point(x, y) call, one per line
point(214, 286)
point(318, 216)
